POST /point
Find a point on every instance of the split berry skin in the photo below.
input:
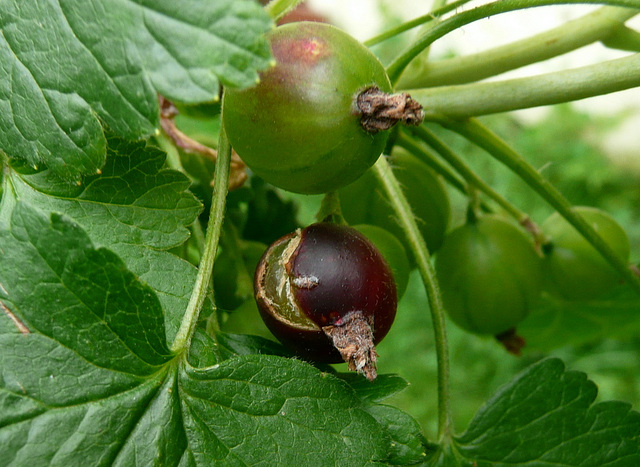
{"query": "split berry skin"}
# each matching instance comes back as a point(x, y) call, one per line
point(328, 294)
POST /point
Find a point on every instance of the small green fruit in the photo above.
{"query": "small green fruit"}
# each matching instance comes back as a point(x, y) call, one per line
point(574, 270)
point(489, 275)
point(299, 128)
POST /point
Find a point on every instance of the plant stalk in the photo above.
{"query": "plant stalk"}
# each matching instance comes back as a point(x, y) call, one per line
point(477, 133)
point(432, 160)
point(468, 100)
point(452, 23)
point(402, 210)
point(424, 19)
point(466, 172)
point(595, 26)
point(212, 238)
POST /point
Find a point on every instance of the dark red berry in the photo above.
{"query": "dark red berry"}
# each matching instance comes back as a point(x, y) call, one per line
point(327, 293)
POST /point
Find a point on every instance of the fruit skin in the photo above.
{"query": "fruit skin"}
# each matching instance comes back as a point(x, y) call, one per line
point(363, 201)
point(392, 251)
point(489, 275)
point(574, 270)
point(298, 128)
point(313, 278)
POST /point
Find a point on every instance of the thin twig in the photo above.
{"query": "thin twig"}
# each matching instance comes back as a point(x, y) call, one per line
point(168, 112)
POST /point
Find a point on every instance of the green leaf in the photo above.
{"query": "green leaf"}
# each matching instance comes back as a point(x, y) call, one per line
point(96, 297)
point(547, 416)
point(383, 387)
point(133, 201)
point(135, 207)
point(67, 65)
point(408, 446)
point(556, 323)
point(243, 344)
point(87, 378)
point(256, 407)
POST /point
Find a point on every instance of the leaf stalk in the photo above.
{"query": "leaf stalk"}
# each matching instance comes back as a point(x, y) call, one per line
point(212, 238)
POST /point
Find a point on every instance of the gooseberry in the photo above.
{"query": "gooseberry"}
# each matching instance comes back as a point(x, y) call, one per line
point(299, 128)
point(328, 294)
point(575, 270)
point(489, 274)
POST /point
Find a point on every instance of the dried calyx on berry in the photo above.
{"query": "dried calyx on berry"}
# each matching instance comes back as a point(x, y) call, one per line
point(328, 294)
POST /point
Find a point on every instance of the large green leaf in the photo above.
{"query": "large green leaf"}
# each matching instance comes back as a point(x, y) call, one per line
point(135, 207)
point(547, 417)
point(87, 378)
point(66, 65)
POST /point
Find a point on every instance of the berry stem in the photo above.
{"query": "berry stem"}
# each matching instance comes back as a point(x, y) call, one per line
point(480, 135)
point(330, 209)
point(432, 160)
point(469, 100)
point(433, 15)
point(601, 24)
point(407, 221)
point(212, 238)
point(452, 23)
point(473, 180)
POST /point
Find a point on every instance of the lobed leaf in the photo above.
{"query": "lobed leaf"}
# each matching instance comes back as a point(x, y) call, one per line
point(259, 409)
point(86, 377)
point(546, 417)
point(135, 207)
point(408, 447)
point(91, 300)
point(68, 65)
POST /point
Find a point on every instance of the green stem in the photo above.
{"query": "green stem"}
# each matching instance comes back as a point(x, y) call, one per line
point(173, 155)
point(418, 246)
point(468, 100)
point(432, 160)
point(278, 8)
point(623, 38)
point(212, 238)
point(466, 172)
point(396, 68)
point(198, 234)
point(431, 16)
point(483, 137)
point(420, 64)
point(598, 25)
point(330, 209)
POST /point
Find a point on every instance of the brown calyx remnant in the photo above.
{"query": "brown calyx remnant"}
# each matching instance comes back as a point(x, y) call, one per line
point(380, 110)
point(512, 341)
point(353, 337)
point(168, 111)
